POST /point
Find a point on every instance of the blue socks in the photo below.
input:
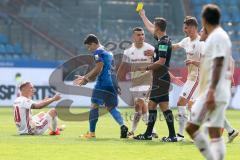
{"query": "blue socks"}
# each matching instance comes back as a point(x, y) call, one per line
point(93, 118)
point(117, 115)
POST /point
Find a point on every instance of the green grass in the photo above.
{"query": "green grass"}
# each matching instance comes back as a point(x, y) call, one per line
point(107, 145)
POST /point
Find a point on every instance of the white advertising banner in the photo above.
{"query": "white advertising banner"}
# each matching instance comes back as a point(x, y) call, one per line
point(40, 78)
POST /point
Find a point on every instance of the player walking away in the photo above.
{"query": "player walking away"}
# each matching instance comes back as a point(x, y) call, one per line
point(214, 87)
point(105, 91)
point(232, 133)
point(161, 78)
point(141, 81)
point(37, 124)
point(193, 47)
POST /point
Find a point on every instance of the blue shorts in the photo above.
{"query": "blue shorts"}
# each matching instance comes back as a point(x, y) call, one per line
point(105, 95)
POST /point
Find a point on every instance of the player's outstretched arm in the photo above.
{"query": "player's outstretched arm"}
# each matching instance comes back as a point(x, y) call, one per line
point(95, 71)
point(196, 63)
point(148, 24)
point(176, 47)
point(176, 80)
point(46, 102)
point(121, 72)
point(82, 80)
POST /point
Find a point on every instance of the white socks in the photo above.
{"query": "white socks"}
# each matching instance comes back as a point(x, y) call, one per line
point(202, 143)
point(145, 118)
point(54, 124)
point(218, 148)
point(227, 126)
point(183, 118)
point(135, 121)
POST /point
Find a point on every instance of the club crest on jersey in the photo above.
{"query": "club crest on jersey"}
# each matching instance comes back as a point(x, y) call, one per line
point(162, 48)
point(96, 57)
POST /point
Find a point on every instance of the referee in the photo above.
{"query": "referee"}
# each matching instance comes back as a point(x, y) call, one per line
point(161, 79)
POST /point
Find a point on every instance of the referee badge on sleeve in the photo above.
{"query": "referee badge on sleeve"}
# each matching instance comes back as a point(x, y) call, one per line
point(163, 48)
point(96, 57)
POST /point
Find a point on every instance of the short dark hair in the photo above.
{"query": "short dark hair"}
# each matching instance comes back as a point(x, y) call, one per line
point(161, 23)
point(23, 84)
point(212, 14)
point(190, 21)
point(91, 38)
point(137, 29)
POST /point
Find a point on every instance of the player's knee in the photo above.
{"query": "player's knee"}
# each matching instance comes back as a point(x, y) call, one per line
point(52, 112)
point(191, 129)
point(139, 103)
point(182, 102)
point(152, 105)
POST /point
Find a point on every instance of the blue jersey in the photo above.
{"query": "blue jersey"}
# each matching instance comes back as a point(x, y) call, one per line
point(107, 75)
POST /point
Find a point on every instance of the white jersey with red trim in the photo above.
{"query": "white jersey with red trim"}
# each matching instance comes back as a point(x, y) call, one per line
point(218, 44)
point(193, 50)
point(22, 114)
point(135, 55)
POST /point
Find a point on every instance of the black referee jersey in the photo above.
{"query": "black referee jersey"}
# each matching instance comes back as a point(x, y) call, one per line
point(161, 77)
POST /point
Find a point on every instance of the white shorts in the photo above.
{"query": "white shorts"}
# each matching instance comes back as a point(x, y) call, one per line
point(139, 92)
point(200, 114)
point(42, 122)
point(189, 90)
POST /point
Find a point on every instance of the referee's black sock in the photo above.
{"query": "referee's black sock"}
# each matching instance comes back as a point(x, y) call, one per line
point(151, 121)
point(170, 122)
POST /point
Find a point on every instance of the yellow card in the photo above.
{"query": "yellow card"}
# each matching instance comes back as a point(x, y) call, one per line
point(139, 6)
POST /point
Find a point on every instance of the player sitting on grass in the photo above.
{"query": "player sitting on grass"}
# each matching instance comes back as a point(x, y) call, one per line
point(106, 89)
point(38, 124)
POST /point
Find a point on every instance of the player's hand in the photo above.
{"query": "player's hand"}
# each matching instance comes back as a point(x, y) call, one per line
point(57, 97)
point(188, 61)
point(203, 34)
point(210, 103)
point(149, 53)
point(46, 98)
point(142, 13)
point(196, 63)
point(80, 80)
point(177, 80)
point(142, 69)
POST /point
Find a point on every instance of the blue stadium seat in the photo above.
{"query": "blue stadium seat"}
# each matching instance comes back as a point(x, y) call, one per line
point(2, 49)
point(225, 17)
point(9, 49)
point(3, 39)
point(18, 49)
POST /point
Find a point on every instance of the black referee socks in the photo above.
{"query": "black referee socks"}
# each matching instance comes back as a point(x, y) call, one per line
point(151, 121)
point(170, 122)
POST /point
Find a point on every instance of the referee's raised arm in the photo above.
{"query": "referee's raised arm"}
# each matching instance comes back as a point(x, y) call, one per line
point(148, 24)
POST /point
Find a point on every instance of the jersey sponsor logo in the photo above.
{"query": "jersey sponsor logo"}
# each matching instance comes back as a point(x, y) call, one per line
point(162, 48)
point(96, 57)
point(139, 60)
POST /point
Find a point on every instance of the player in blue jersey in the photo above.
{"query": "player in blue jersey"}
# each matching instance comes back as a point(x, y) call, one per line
point(106, 88)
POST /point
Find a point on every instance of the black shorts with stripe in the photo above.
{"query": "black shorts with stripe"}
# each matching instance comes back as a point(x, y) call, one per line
point(160, 89)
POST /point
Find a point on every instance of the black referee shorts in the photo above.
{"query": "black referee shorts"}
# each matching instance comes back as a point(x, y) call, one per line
point(160, 90)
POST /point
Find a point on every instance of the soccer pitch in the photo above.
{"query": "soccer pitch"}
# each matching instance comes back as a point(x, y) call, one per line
point(107, 145)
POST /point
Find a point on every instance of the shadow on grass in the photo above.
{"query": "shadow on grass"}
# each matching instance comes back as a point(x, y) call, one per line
point(133, 141)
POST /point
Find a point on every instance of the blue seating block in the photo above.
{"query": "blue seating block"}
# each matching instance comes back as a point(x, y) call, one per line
point(3, 39)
